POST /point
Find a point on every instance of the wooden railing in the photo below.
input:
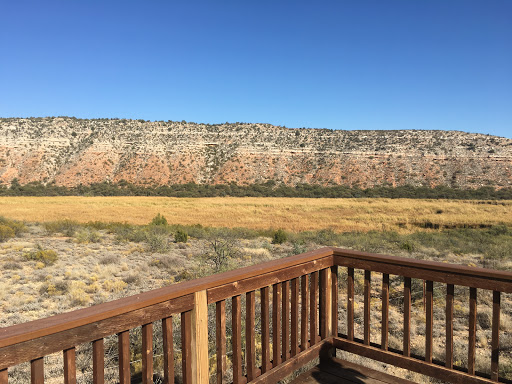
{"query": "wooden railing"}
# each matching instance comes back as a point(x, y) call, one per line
point(266, 321)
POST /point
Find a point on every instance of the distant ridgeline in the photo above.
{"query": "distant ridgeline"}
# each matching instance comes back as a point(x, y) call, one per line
point(269, 189)
point(220, 158)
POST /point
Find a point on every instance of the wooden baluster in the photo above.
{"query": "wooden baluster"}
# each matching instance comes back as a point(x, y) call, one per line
point(124, 357)
point(367, 306)
point(250, 348)
point(168, 349)
point(98, 361)
point(265, 330)
point(449, 326)
point(147, 353)
point(220, 319)
point(334, 295)
point(236, 321)
point(286, 320)
point(313, 309)
point(385, 312)
point(199, 337)
point(495, 343)
point(186, 346)
point(4, 376)
point(276, 325)
point(295, 317)
point(350, 304)
point(429, 318)
point(472, 331)
point(407, 316)
point(326, 303)
point(37, 371)
point(304, 308)
point(69, 366)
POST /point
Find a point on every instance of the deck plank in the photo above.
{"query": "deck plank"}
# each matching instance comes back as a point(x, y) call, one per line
point(341, 371)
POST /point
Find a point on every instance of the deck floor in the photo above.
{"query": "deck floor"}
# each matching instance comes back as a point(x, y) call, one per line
point(341, 371)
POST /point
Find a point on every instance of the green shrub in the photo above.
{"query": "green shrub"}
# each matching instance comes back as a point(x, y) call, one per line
point(279, 237)
point(159, 220)
point(6, 232)
point(157, 242)
point(180, 236)
point(46, 256)
point(66, 227)
point(87, 236)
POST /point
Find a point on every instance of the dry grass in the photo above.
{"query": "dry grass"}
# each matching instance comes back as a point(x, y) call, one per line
point(293, 214)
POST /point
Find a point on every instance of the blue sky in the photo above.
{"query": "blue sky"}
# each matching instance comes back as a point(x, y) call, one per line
point(394, 64)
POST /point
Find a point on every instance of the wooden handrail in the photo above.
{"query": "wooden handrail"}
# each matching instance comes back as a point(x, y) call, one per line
point(311, 278)
point(58, 323)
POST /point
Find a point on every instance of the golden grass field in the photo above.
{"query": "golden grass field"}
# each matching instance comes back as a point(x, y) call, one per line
point(293, 214)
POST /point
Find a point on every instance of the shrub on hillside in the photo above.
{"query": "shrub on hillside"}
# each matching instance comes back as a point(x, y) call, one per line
point(159, 220)
point(279, 237)
point(180, 236)
point(66, 227)
point(46, 256)
point(6, 232)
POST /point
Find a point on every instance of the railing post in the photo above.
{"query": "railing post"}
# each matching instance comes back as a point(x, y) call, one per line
point(199, 339)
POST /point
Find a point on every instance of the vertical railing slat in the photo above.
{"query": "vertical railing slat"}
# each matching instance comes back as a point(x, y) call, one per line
point(98, 361)
point(250, 347)
point(168, 350)
point(124, 357)
point(37, 371)
point(4, 376)
point(334, 295)
point(429, 318)
point(367, 306)
point(265, 330)
point(313, 309)
point(236, 314)
point(350, 304)
point(407, 316)
point(304, 309)
point(385, 312)
point(220, 322)
point(69, 366)
point(276, 324)
point(295, 317)
point(472, 331)
point(186, 346)
point(449, 326)
point(147, 353)
point(495, 343)
point(285, 320)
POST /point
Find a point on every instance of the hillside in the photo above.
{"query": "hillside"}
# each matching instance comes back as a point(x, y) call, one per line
point(70, 151)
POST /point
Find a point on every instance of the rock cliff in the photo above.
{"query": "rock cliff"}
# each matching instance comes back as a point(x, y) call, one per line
point(70, 151)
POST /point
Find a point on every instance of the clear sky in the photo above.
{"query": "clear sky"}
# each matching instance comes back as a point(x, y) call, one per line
point(359, 64)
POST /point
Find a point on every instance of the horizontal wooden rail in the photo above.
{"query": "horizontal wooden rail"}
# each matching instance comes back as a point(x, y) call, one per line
point(297, 301)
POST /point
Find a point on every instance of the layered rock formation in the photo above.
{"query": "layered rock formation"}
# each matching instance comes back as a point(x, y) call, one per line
point(71, 151)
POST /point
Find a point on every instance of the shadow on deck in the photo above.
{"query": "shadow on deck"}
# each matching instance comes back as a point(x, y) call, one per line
point(342, 371)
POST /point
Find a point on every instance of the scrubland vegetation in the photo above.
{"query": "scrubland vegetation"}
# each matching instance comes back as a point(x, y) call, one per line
point(52, 265)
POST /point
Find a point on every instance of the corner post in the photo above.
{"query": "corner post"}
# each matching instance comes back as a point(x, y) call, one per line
point(199, 339)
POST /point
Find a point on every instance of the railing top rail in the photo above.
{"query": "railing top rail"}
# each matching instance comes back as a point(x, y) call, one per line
point(427, 265)
point(65, 321)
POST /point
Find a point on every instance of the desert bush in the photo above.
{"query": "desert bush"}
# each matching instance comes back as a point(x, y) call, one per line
point(180, 236)
point(159, 220)
point(130, 233)
point(66, 227)
point(6, 233)
point(46, 256)
point(279, 237)
point(12, 265)
point(157, 242)
point(54, 288)
point(222, 248)
point(109, 259)
point(87, 236)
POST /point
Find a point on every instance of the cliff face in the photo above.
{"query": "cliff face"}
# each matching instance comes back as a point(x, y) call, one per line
point(71, 151)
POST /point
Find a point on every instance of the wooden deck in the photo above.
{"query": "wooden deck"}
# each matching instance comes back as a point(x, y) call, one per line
point(341, 371)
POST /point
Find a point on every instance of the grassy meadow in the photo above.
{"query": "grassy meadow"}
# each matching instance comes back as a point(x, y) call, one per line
point(291, 214)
